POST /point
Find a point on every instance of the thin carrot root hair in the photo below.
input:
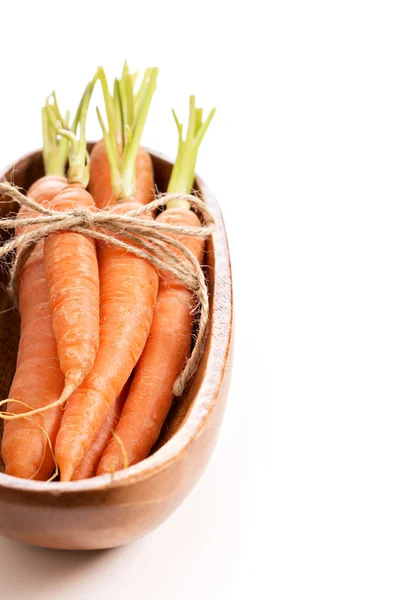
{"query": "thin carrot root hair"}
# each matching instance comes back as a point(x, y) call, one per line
point(7, 416)
point(42, 429)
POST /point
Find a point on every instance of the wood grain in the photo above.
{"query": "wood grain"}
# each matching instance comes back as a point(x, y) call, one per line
point(108, 511)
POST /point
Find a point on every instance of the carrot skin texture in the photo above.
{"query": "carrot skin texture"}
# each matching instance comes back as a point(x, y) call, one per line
point(73, 282)
point(100, 180)
point(88, 466)
point(128, 292)
point(167, 348)
point(144, 189)
point(38, 379)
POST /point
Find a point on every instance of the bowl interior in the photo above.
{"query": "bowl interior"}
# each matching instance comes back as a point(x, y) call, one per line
point(23, 174)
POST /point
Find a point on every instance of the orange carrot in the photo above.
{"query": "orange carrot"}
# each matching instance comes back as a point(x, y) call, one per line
point(38, 380)
point(73, 283)
point(72, 271)
point(100, 179)
point(88, 465)
point(169, 342)
point(128, 290)
point(144, 191)
point(125, 105)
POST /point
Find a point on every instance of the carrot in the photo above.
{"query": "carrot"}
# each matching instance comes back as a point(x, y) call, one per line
point(100, 180)
point(38, 379)
point(128, 290)
point(89, 463)
point(169, 342)
point(124, 104)
point(72, 270)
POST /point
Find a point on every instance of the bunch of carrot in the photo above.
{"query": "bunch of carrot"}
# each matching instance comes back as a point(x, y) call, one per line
point(104, 334)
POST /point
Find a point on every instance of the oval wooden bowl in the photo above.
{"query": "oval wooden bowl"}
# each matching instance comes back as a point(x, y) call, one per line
point(108, 511)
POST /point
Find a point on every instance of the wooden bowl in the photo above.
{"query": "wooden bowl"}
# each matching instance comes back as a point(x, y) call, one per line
point(108, 511)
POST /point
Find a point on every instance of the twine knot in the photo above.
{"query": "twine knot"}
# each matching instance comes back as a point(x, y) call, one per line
point(156, 242)
point(85, 216)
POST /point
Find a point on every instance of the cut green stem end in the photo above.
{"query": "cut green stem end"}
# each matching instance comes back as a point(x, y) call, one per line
point(126, 112)
point(183, 172)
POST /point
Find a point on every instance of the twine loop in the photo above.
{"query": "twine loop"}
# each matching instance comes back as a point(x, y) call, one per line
point(131, 231)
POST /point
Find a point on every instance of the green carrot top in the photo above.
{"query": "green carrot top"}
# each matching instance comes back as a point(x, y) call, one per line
point(183, 172)
point(127, 112)
point(61, 142)
point(55, 148)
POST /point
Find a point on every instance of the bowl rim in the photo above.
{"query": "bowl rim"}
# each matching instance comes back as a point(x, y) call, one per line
point(216, 364)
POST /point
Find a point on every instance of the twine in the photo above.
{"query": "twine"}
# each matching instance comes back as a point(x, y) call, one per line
point(152, 241)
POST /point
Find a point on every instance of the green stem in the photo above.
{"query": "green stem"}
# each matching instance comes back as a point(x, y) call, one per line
point(110, 112)
point(55, 150)
point(117, 106)
point(183, 172)
point(78, 158)
point(124, 94)
point(126, 115)
point(146, 90)
point(51, 160)
point(60, 142)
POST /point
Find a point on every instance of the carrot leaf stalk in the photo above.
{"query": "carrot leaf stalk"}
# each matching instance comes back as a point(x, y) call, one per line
point(125, 100)
point(55, 149)
point(55, 146)
point(126, 116)
point(182, 176)
point(74, 148)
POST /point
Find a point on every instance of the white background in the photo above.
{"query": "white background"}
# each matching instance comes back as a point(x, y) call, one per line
point(302, 496)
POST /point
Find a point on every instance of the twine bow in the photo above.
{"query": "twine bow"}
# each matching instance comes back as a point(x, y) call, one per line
point(144, 238)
